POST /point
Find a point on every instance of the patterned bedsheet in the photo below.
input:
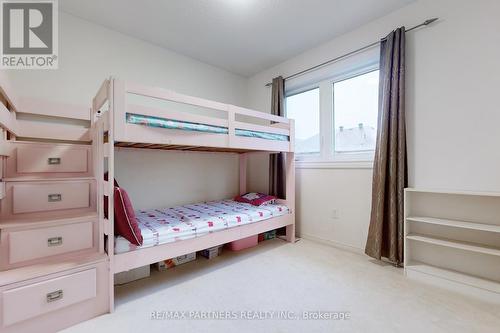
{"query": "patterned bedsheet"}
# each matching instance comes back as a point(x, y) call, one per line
point(166, 225)
point(175, 124)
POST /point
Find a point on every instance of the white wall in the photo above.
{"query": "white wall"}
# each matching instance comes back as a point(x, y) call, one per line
point(90, 53)
point(162, 179)
point(453, 77)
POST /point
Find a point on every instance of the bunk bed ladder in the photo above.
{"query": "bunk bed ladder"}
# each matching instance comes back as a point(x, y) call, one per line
point(102, 122)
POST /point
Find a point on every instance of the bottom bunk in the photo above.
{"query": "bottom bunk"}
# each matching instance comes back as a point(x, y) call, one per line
point(171, 232)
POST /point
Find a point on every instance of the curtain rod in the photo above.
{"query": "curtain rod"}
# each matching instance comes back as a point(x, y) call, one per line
point(313, 68)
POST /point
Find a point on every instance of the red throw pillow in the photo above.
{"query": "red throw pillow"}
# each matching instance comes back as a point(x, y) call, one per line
point(125, 221)
point(256, 199)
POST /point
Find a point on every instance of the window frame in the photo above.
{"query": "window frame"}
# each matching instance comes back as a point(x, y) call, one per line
point(327, 157)
point(304, 89)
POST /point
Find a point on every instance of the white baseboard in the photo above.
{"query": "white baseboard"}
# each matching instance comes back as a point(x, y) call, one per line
point(335, 244)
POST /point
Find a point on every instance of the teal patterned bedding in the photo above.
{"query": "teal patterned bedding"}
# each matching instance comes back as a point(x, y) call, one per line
point(181, 125)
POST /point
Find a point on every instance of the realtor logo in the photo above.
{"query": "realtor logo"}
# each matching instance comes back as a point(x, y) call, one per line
point(29, 34)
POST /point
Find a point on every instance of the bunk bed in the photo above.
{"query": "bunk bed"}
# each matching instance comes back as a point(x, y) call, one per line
point(219, 127)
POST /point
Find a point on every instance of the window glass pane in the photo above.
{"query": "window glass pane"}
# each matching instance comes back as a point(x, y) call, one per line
point(355, 105)
point(304, 108)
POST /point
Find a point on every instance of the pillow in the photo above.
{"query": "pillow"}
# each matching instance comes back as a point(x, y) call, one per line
point(256, 199)
point(125, 221)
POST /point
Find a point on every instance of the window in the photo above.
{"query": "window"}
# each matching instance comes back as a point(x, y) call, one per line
point(355, 105)
point(336, 119)
point(304, 108)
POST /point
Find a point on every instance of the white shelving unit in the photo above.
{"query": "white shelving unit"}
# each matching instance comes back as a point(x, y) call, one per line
point(452, 240)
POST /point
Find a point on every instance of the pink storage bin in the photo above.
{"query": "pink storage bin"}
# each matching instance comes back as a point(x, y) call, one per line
point(243, 243)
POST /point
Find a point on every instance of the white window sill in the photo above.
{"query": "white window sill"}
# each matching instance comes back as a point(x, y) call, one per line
point(304, 164)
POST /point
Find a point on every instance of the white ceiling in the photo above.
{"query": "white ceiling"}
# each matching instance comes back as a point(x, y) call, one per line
point(241, 36)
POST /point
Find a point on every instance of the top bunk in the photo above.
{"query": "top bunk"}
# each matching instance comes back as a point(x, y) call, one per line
point(138, 116)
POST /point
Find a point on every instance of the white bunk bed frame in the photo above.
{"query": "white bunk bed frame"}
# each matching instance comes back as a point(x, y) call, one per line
point(110, 129)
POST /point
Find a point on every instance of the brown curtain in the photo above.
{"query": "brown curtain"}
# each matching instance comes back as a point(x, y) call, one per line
point(277, 161)
point(385, 235)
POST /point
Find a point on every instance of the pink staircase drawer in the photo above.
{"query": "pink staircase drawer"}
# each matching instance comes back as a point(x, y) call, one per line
point(51, 159)
point(45, 160)
point(32, 244)
point(49, 196)
point(36, 299)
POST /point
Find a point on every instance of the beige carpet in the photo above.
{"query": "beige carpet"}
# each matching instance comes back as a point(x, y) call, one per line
point(278, 276)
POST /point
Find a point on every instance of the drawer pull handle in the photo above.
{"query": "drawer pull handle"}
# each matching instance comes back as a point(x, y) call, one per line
point(54, 241)
point(54, 160)
point(54, 296)
point(55, 197)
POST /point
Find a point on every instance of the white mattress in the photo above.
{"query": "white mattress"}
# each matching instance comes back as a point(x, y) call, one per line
point(166, 225)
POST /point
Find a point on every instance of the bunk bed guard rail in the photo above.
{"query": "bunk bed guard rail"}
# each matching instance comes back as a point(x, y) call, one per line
point(218, 125)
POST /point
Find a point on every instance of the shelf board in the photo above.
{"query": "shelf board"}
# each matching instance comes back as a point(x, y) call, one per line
point(455, 223)
point(454, 276)
point(466, 246)
point(453, 192)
